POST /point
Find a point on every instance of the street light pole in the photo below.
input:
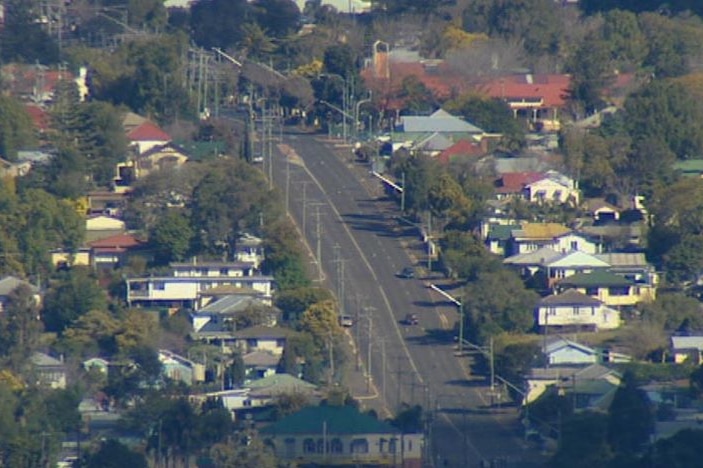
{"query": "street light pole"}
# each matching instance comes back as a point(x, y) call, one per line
point(357, 123)
point(461, 328)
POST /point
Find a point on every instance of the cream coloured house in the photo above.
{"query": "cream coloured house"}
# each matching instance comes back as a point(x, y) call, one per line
point(573, 309)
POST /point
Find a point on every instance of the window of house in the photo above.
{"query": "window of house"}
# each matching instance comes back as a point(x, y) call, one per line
point(252, 342)
point(575, 310)
point(289, 447)
point(410, 445)
point(159, 285)
point(336, 446)
point(309, 446)
point(224, 271)
point(359, 446)
point(552, 311)
point(392, 445)
point(281, 342)
point(320, 446)
point(591, 291)
point(541, 195)
point(619, 291)
point(557, 195)
point(574, 245)
point(382, 445)
point(202, 271)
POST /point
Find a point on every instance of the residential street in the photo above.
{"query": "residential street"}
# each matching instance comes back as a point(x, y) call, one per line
point(362, 248)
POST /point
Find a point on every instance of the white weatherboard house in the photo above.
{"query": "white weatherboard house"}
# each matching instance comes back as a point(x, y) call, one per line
point(687, 349)
point(574, 309)
point(189, 280)
point(533, 236)
point(552, 187)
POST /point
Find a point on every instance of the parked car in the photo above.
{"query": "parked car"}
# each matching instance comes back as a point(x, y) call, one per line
point(411, 319)
point(406, 273)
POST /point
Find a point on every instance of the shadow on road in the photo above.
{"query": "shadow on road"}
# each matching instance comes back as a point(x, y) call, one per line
point(467, 383)
point(433, 337)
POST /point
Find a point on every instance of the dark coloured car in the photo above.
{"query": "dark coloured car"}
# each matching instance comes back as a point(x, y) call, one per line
point(411, 319)
point(407, 273)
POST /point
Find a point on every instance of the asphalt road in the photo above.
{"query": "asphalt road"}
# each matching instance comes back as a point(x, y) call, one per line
point(363, 246)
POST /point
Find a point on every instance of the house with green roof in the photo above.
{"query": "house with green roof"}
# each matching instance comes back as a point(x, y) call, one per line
point(612, 289)
point(689, 167)
point(329, 435)
point(498, 237)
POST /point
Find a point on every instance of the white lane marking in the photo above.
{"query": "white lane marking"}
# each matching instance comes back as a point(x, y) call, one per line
point(373, 274)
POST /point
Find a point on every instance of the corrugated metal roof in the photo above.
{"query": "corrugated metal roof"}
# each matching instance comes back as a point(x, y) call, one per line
point(332, 420)
point(542, 231)
point(596, 278)
point(621, 259)
point(576, 259)
point(441, 124)
point(570, 297)
point(687, 342)
point(537, 257)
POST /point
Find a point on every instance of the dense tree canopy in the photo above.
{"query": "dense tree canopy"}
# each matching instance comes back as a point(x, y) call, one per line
point(495, 302)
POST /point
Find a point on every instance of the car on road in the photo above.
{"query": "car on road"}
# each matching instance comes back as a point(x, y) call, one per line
point(411, 319)
point(406, 273)
point(346, 321)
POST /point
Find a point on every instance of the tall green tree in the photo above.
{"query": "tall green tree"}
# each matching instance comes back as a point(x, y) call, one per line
point(278, 17)
point(631, 418)
point(583, 442)
point(114, 454)
point(533, 22)
point(22, 38)
point(284, 257)
point(217, 23)
point(171, 237)
point(48, 223)
point(623, 35)
point(15, 128)
point(592, 71)
point(496, 302)
point(20, 327)
point(232, 197)
point(72, 295)
point(664, 111)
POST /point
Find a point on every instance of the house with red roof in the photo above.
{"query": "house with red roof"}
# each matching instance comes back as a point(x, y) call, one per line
point(33, 83)
point(114, 251)
point(39, 116)
point(146, 136)
point(151, 148)
point(536, 98)
point(463, 150)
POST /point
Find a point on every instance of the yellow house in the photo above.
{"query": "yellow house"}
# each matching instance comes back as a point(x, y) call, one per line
point(162, 156)
point(61, 257)
point(613, 290)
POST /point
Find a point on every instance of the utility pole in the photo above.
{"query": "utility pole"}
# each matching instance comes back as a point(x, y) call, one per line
point(461, 328)
point(399, 374)
point(305, 201)
point(269, 140)
point(383, 370)
point(369, 317)
point(331, 357)
point(402, 194)
point(429, 241)
point(318, 239)
point(288, 187)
